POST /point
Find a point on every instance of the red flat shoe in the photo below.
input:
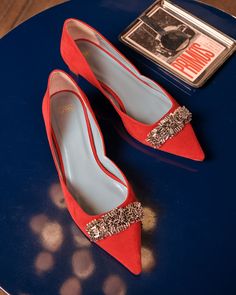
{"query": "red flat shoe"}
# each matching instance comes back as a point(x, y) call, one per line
point(148, 112)
point(98, 195)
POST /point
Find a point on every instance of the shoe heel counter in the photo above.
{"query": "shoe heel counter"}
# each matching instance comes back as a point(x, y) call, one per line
point(75, 60)
point(68, 53)
point(45, 106)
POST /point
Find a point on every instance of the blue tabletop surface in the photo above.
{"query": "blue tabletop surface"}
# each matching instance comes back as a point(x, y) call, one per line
point(189, 232)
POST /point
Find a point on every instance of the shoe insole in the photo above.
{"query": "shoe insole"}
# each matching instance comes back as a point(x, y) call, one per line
point(142, 102)
point(95, 190)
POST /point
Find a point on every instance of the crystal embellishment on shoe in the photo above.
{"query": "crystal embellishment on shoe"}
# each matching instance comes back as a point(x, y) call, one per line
point(115, 221)
point(168, 127)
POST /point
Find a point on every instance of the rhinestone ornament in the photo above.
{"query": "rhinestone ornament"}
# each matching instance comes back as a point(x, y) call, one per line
point(115, 221)
point(168, 127)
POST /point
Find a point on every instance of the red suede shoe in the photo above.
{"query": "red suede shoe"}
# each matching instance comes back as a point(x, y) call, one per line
point(148, 112)
point(98, 195)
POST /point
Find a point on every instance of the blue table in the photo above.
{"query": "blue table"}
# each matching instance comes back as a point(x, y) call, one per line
point(189, 232)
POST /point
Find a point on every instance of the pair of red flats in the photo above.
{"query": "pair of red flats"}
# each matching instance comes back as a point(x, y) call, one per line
point(98, 195)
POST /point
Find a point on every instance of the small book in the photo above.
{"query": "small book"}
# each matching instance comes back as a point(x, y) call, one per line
point(178, 41)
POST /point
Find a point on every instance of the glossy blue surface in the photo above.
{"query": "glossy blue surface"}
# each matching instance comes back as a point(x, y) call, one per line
point(190, 248)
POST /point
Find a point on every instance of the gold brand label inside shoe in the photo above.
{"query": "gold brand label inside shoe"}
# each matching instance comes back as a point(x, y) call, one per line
point(66, 108)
